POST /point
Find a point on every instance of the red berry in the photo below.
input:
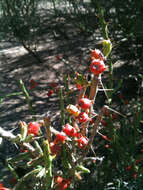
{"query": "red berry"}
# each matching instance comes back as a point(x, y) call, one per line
point(58, 179)
point(79, 86)
point(64, 184)
point(138, 160)
point(106, 112)
point(23, 150)
point(104, 137)
point(97, 66)
point(104, 123)
point(3, 188)
point(121, 96)
point(128, 168)
point(55, 148)
point(126, 102)
point(33, 84)
point(92, 121)
point(33, 128)
point(69, 130)
point(50, 92)
point(83, 117)
point(97, 54)
point(61, 137)
point(82, 142)
point(85, 103)
point(53, 84)
point(134, 175)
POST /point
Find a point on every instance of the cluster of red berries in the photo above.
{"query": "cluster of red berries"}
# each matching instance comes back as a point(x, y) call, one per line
point(84, 104)
point(97, 65)
point(70, 131)
point(61, 183)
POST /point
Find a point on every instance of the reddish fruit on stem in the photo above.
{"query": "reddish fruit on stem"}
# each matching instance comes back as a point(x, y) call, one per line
point(97, 54)
point(33, 128)
point(105, 137)
point(55, 148)
point(79, 86)
point(64, 184)
point(82, 142)
point(69, 130)
point(83, 117)
point(50, 92)
point(3, 188)
point(58, 179)
point(85, 103)
point(97, 66)
point(61, 137)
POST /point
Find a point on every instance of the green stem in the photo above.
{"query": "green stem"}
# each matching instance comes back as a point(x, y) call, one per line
point(66, 79)
point(12, 94)
point(48, 165)
point(9, 95)
point(62, 106)
point(23, 180)
point(106, 36)
point(12, 170)
point(25, 93)
point(103, 22)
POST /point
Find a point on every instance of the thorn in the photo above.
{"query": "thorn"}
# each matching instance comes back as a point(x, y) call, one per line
point(108, 108)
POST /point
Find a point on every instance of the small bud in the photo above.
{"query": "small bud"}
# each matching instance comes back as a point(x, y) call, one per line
point(73, 110)
point(107, 47)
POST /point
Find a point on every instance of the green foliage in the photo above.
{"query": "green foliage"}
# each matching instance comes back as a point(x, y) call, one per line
point(19, 20)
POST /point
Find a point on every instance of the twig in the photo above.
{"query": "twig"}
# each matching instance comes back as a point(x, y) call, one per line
point(11, 137)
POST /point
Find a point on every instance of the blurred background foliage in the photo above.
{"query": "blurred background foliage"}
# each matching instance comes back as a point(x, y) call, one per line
point(27, 21)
